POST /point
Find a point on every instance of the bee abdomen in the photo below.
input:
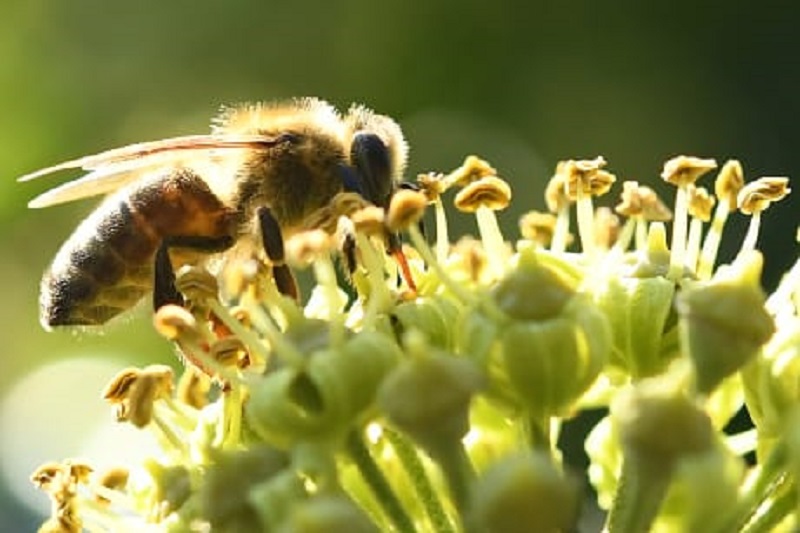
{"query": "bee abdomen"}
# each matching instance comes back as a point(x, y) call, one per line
point(103, 269)
point(106, 265)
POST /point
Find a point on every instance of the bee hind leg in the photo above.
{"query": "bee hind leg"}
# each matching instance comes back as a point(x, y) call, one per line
point(272, 240)
point(164, 289)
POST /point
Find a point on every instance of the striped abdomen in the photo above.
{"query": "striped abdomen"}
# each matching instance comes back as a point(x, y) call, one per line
point(106, 265)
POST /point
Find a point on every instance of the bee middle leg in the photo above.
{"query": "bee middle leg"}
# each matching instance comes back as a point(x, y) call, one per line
point(272, 239)
point(164, 289)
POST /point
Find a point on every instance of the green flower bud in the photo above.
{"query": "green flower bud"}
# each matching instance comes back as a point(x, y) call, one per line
point(533, 290)
point(791, 437)
point(772, 383)
point(325, 398)
point(428, 398)
point(223, 496)
point(705, 487)
point(272, 500)
point(723, 323)
point(637, 310)
point(308, 334)
point(658, 425)
point(656, 420)
point(435, 317)
point(783, 351)
point(327, 514)
point(524, 494)
point(550, 363)
point(552, 346)
point(605, 459)
point(173, 486)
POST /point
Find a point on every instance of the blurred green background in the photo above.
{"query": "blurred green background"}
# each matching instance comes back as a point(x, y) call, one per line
point(522, 83)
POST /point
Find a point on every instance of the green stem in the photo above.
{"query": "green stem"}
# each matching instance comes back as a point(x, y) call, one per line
point(465, 296)
point(711, 244)
point(760, 487)
point(693, 243)
point(642, 229)
point(492, 240)
point(380, 298)
point(679, 227)
point(539, 433)
point(751, 238)
point(640, 491)
point(457, 468)
point(784, 502)
point(231, 423)
point(585, 211)
point(625, 236)
point(172, 442)
point(374, 477)
point(247, 335)
point(325, 273)
point(411, 463)
point(442, 235)
point(561, 232)
point(781, 299)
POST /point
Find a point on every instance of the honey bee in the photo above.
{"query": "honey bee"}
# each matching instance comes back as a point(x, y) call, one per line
point(259, 174)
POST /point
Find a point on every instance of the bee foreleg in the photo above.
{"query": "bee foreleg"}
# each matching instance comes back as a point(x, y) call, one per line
point(272, 239)
point(394, 245)
point(164, 289)
point(410, 186)
point(349, 253)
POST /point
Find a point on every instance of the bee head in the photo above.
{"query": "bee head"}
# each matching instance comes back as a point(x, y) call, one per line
point(377, 153)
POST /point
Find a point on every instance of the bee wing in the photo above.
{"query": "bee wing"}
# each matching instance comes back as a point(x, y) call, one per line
point(102, 181)
point(115, 168)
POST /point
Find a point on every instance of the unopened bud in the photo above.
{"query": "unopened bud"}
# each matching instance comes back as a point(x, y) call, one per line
point(436, 415)
point(658, 423)
point(225, 496)
point(723, 323)
point(525, 493)
point(327, 514)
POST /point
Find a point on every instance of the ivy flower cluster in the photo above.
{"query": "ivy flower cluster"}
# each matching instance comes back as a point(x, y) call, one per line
point(433, 401)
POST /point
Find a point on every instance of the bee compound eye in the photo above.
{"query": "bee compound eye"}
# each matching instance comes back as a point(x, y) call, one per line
point(373, 163)
point(350, 179)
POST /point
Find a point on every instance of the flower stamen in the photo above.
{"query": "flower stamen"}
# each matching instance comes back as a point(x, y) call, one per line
point(729, 182)
point(754, 198)
point(682, 171)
